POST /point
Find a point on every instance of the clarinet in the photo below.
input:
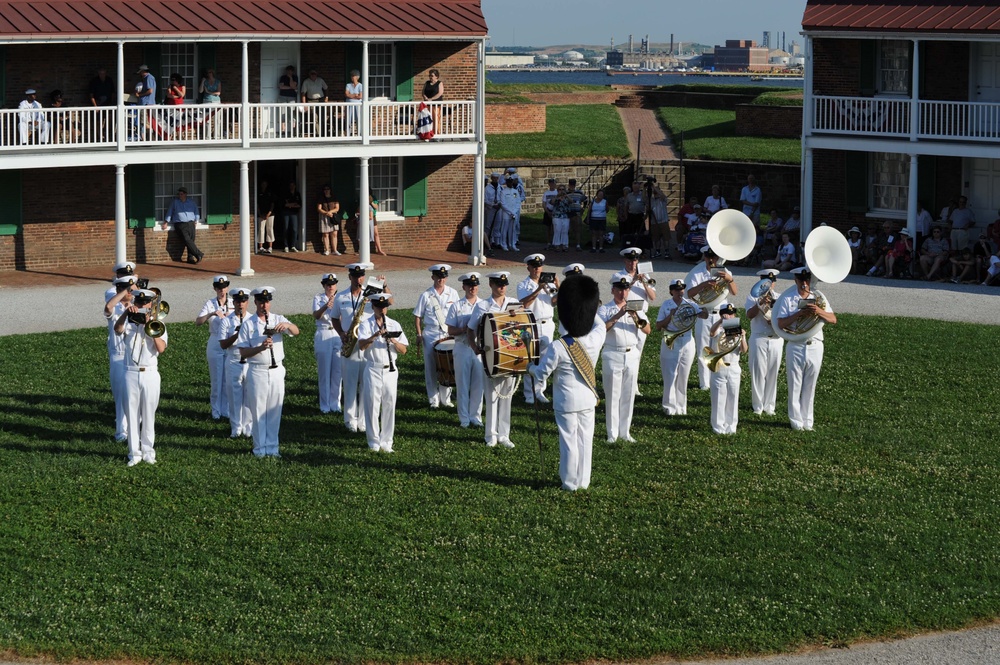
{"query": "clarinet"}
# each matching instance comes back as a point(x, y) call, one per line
point(243, 361)
point(388, 348)
point(269, 333)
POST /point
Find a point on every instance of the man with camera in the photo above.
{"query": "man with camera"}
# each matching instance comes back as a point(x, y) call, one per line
point(620, 356)
point(577, 202)
point(538, 294)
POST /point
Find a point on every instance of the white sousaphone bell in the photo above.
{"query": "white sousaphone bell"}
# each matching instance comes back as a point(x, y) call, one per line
point(732, 236)
point(828, 257)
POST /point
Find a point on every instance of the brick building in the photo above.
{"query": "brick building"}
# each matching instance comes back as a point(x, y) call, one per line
point(741, 55)
point(902, 104)
point(86, 184)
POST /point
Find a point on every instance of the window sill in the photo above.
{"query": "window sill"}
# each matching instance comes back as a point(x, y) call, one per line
point(170, 227)
point(886, 214)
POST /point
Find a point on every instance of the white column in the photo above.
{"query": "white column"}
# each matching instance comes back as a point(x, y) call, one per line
point(911, 201)
point(364, 242)
point(245, 216)
point(807, 157)
point(365, 138)
point(915, 93)
point(807, 194)
point(121, 223)
point(808, 103)
point(476, 251)
point(303, 215)
point(245, 110)
point(120, 104)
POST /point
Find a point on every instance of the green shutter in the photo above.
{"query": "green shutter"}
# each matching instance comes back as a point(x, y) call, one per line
point(867, 66)
point(206, 58)
point(352, 59)
point(10, 203)
point(3, 77)
point(219, 209)
point(404, 72)
point(141, 183)
point(151, 58)
point(342, 174)
point(414, 186)
point(856, 179)
point(927, 181)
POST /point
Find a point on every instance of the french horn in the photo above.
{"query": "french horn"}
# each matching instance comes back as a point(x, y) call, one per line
point(684, 318)
point(763, 294)
point(712, 295)
point(730, 341)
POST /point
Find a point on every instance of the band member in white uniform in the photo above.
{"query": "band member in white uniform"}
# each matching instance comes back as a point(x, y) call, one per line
point(469, 375)
point(261, 344)
point(700, 279)
point(142, 378)
point(240, 421)
point(381, 340)
point(345, 306)
point(327, 345)
point(213, 312)
point(429, 319)
point(498, 391)
point(765, 353)
point(640, 289)
point(123, 269)
point(113, 309)
point(573, 269)
point(540, 299)
point(804, 359)
point(571, 360)
point(620, 359)
point(676, 360)
point(726, 378)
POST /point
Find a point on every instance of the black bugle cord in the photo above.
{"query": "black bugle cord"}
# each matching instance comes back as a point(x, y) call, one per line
point(243, 361)
point(274, 363)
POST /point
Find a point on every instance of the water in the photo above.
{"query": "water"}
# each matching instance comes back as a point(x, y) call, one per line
point(600, 78)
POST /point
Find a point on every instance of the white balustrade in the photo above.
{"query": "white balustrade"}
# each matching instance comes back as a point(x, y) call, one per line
point(881, 116)
point(968, 121)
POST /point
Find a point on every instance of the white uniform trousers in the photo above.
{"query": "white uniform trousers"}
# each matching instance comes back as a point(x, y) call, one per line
point(765, 359)
point(701, 340)
point(351, 369)
point(803, 360)
point(265, 394)
point(619, 369)
point(560, 231)
point(502, 230)
point(515, 230)
point(436, 393)
point(546, 331)
point(117, 372)
point(327, 345)
point(469, 377)
point(142, 396)
point(379, 400)
point(216, 357)
point(576, 447)
point(497, 393)
point(675, 366)
point(725, 386)
point(240, 420)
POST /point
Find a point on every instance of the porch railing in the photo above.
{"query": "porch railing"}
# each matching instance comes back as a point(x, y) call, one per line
point(969, 121)
point(890, 117)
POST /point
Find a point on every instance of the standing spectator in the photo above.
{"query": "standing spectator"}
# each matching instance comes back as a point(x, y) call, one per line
point(183, 214)
point(433, 94)
point(353, 93)
point(946, 211)
point(923, 224)
point(290, 217)
point(635, 222)
point(577, 202)
point(686, 215)
point(786, 255)
point(962, 219)
point(210, 88)
point(793, 225)
point(145, 89)
point(266, 202)
point(31, 120)
point(329, 221)
point(176, 91)
point(288, 93)
point(102, 89)
point(509, 201)
point(597, 221)
point(750, 198)
point(659, 224)
point(621, 209)
point(714, 203)
point(373, 236)
point(559, 207)
point(934, 256)
point(547, 197)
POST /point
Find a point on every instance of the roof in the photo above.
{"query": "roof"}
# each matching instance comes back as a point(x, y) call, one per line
point(938, 16)
point(262, 19)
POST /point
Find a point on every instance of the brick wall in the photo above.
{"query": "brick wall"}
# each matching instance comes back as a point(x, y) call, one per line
point(455, 61)
point(780, 184)
point(515, 118)
point(836, 66)
point(776, 121)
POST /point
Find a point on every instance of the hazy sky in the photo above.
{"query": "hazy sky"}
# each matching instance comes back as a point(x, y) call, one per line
point(550, 22)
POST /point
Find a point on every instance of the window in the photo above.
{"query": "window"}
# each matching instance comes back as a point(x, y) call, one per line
point(384, 183)
point(894, 75)
point(171, 176)
point(381, 63)
point(179, 58)
point(890, 181)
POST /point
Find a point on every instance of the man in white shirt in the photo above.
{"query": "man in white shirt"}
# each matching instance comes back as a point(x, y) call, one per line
point(240, 419)
point(381, 340)
point(765, 348)
point(500, 389)
point(704, 279)
point(114, 306)
point(31, 119)
point(539, 297)
point(430, 316)
point(327, 345)
point(469, 374)
point(213, 312)
point(620, 358)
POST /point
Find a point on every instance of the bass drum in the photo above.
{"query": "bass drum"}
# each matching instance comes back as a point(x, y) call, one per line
point(507, 350)
point(799, 333)
point(444, 360)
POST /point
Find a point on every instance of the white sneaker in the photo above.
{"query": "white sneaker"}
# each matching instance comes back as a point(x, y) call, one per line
point(286, 250)
point(449, 403)
point(491, 444)
point(133, 462)
point(506, 443)
point(543, 399)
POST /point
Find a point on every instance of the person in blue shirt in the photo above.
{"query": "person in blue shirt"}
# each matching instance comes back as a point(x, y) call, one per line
point(183, 214)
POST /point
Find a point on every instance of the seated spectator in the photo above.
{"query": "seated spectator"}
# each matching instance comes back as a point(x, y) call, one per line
point(993, 272)
point(934, 256)
point(695, 240)
point(897, 260)
point(714, 203)
point(993, 231)
point(786, 255)
point(793, 224)
point(879, 249)
point(857, 245)
point(963, 268)
point(772, 232)
point(980, 254)
point(923, 224)
point(31, 122)
point(65, 130)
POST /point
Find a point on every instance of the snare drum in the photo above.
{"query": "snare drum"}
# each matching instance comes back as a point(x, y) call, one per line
point(444, 360)
point(501, 337)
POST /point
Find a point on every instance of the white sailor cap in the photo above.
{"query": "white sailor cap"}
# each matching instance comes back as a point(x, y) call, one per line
point(329, 278)
point(220, 281)
point(143, 294)
point(440, 269)
point(802, 271)
point(511, 170)
point(728, 308)
point(357, 268)
point(677, 284)
point(534, 260)
point(471, 278)
point(126, 279)
point(239, 293)
point(30, 91)
point(621, 281)
point(501, 276)
point(574, 269)
point(707, 250)
point(380, 300)
point(125, 268)
point(263, 293)
point(768, 272)
point(495, 174)
point(631, 252)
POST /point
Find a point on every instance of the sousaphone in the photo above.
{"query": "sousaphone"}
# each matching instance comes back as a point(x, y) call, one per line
point(828, 257)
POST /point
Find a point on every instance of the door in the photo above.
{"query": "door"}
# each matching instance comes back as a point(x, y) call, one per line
point(986, 68)
point(277, 173)
point(274, 57)
point(984, 190)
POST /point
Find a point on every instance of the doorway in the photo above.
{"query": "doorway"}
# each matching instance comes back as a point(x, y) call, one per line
point(278, 173)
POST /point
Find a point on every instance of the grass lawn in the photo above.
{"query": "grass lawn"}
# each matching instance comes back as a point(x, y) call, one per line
point(882, 521)
point(709, 134)
point(584, 130)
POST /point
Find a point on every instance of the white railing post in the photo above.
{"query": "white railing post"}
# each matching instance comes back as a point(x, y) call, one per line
point(915, 93)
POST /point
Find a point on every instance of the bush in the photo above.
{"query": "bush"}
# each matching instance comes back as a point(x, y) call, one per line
point(779, 99)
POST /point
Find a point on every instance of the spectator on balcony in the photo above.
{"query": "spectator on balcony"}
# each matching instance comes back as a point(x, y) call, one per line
point(934, 256)
point(353, 92)
point(313, 89)
point(176, 90)
point(102, 89)
point(291, 205)
point(31, 120)
point(183, 214)
point(266, 203)
point(210, 88)
point(714, 203)
point(961, 219)
point(64, 126)
point(434, 92)
point(145, 89)
point(288, 86)
point(329, 221)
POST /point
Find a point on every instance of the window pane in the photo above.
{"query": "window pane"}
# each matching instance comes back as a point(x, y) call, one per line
point(177, 58)
point(384, 182)
point(894, 66)
point(380, 64)
point(171, 176)
point(890, 188)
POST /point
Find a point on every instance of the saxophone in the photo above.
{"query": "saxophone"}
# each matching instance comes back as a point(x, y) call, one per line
point(352, 332)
